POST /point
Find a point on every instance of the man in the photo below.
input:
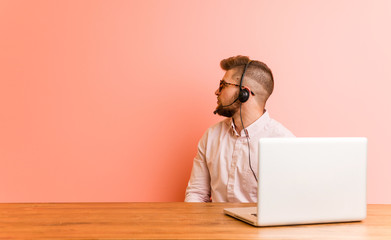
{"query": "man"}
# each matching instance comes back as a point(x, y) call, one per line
point(225, 168)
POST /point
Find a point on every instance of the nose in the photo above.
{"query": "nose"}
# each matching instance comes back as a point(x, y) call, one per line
point(217, 92)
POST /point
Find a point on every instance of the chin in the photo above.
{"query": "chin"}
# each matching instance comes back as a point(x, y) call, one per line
point(224, 112)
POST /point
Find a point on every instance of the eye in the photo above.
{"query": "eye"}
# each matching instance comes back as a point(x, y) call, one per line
point(221, 85)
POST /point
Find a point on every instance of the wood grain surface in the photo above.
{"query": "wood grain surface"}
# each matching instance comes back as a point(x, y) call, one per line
point(168, 221)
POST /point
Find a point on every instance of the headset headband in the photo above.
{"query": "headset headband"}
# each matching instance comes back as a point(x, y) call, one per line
point(244, 71)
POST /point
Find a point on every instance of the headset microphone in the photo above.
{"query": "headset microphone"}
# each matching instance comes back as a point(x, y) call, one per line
point(227, 105)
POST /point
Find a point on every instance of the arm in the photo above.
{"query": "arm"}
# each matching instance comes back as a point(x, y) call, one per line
point(198, 189)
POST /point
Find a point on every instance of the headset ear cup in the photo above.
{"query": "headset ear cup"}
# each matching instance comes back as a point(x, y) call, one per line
point(243, 95)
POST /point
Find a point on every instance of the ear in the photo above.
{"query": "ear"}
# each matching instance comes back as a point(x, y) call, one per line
point(244, 94)
point(248, 89)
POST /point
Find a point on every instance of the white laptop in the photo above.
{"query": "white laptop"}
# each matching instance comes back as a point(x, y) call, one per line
point(308, 180)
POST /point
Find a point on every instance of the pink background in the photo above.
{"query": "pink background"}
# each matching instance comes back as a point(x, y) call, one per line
point(106, 100)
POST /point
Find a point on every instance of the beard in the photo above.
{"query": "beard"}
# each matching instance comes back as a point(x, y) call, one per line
point(228, 111)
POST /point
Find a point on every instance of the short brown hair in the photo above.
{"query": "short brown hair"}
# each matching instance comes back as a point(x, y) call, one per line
point(257, 72)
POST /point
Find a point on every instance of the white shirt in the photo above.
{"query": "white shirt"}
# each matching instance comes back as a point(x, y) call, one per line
point(221, 171)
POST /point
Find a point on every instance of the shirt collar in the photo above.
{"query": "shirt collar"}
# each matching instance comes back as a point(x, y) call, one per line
point(254, 128)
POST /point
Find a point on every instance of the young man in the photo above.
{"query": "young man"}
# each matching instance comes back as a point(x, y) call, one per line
point(225, 168)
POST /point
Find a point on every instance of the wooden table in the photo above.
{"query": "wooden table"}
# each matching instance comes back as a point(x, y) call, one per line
point(168, 221)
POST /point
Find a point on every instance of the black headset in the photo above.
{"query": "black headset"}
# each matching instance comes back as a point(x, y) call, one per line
point(244, 94)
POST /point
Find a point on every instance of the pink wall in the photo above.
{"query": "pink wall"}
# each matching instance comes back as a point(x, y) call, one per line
point(106, 100)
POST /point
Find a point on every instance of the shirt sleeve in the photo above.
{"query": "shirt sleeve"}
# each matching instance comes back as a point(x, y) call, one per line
point(198, 188)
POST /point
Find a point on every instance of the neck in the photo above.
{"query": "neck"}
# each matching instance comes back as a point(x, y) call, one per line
point(249, 115)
